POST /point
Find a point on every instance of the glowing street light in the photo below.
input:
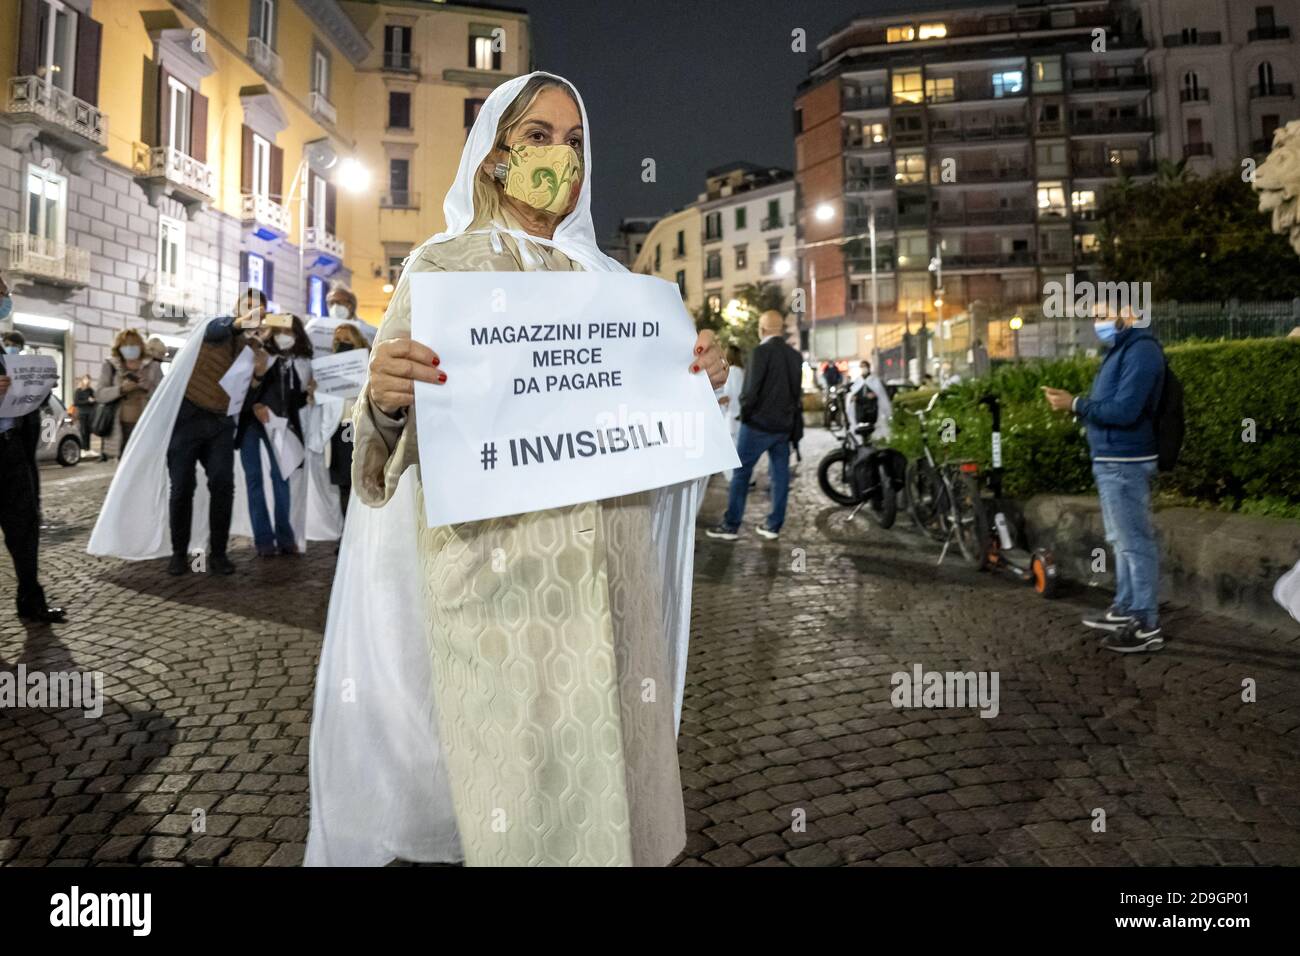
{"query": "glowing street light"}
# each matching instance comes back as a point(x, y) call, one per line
point(781, 267)
point(352, 176)
point(824, 212)
point(1015, 323)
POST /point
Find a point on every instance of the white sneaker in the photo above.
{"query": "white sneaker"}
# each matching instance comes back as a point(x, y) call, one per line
point(767, 532)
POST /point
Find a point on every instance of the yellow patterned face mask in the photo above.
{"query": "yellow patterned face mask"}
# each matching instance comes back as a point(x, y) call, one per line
point(544, 177)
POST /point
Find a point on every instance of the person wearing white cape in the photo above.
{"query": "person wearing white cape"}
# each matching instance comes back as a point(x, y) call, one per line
point(497, 691)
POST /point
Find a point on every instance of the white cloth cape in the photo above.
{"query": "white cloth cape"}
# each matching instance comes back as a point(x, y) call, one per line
point(379, 786)
point(135, 523)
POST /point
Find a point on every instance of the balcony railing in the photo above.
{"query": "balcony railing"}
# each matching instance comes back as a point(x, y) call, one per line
point(976, 132)
point(1118, 124)
point(173, 167)
point(322, 108)
point(265, 60)
point(400, 199)
point(1286, 90)
point(976, 91)
point(982, 217)
point(864, 184)
point(858, 142)
point(1093, 169)
point(266, 212)
point(861, 224)
point(981, 175)
point(323, 242)
point(773, 222)
point(401, 61)
point(1198, 149)
point(1090, 83)
point(54, 262)
point(1210, 38)
point(1268, 33)
point(58, 111)
point(1194, 96)
point(865, 101)
point(974, 260)
point(863, 263)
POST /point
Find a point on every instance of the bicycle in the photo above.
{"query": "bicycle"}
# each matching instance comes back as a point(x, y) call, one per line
point(943, 499)
point(857, 475)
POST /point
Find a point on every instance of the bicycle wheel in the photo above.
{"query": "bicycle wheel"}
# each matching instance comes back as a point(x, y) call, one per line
point(923, 489)
point(833, 477)
point(970, 519)
point(884, 506)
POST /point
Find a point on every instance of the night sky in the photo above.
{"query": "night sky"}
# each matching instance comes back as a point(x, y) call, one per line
point(691, 83)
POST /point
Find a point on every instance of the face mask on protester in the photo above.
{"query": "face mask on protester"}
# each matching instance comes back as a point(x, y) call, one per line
point(284, 341)
point(130, 352)
point(544, 177)
point(340, 312)
point(343, 346)
point(6, 306)
point(12, 349)
point(1106, 331)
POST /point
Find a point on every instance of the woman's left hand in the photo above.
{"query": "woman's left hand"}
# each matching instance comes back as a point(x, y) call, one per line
point(708, 358)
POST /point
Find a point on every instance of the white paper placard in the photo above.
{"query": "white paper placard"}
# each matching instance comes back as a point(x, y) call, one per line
point(562, 387)
point(237, 379)
point(341, 374)
point(31, 378)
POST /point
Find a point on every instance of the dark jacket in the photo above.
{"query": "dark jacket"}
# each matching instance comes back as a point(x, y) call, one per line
point(1120, 410)
point(770, 400)
point(282, 391)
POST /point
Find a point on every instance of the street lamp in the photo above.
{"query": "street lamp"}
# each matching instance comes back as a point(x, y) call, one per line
point(825, 212)
point(351, 177)
point(781, 267)
point(1015, 323)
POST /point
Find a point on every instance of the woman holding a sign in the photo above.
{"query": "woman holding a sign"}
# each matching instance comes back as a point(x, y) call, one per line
point(551, 643)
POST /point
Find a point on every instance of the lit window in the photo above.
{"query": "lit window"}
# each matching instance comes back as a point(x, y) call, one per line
point(1083, 200)
point(1051, 199)
point(909, 166)
point(1046, 72)
point(932, 31)
point(874, 133)
point(940, 89)
point(171, 252)
point(256, 272)
point(47, 204)
point(908, 87)
point(900, 34)
point(1008, 83)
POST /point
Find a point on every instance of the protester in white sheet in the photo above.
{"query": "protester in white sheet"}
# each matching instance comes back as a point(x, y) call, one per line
point(730, 397)
point(341, 303)
point(504, 662)
point(869, 380)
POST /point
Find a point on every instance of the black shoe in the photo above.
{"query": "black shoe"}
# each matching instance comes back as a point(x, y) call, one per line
point(220, 564)
point(722, 533)
point(43, 614)
point(178, 565)
point(1134, 639)
point(289, 549)
point(266, 551)
point(1112, 620)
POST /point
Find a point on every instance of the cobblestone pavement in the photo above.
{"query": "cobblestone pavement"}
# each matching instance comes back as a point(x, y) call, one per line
point(791, 751)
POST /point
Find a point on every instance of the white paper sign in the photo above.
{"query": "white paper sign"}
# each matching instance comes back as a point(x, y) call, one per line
point(237, 379)
point(342, 374)
point(31, 378)
point(285, 445)
point(320, 331)
point(562, 387)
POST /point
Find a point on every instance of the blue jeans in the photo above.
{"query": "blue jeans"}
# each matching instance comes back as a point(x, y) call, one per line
point(1125, 491)
point(750, 445)
point(250, 456)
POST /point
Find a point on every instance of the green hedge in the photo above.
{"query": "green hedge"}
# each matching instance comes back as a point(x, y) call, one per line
point(1226, 383)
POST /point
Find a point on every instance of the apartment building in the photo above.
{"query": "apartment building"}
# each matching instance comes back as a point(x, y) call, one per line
point(672, 250)
point(1225, 77)
point(978, 140)
point(626, 243)
point(430, 67)
point(155, 157)
point(748, 222)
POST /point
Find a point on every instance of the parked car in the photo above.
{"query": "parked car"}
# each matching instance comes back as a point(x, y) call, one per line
point(60, 438)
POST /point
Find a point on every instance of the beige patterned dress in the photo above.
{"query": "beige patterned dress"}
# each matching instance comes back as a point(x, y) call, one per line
point(545, 631)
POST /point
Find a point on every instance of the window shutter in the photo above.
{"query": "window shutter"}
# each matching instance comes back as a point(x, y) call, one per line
point(149, 105)
point(199, 126)
point(311, 197)
point(29, 38)
point(277, 173)
point(164, 107)
point(85, 83)
point(496, 59)
point(470, 54)
point(243, 268)
point(275, 25)
point(246, 167)
point(254, 7)
point(268, 279)
point(331, 208)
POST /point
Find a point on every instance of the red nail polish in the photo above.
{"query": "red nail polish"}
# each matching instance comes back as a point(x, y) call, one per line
point(695, 368)
point(699, 349)
point(435, 360)
point(442, 377)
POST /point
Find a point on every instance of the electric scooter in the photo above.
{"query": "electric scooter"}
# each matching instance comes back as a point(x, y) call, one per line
point(1004, 551)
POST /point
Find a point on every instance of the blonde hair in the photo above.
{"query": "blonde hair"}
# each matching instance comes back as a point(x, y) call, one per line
point(487, 191)
point(121, 339)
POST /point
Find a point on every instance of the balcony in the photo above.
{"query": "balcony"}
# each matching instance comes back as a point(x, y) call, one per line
point(992, 174)
point(399, 199)
point(1273, 91)
point(867, 184)
point(401, 61)
point(171, 170)
point(321, 108)
point(984, 260)
point(270, 219)
point(775, 222)
point(970, 92)
point(1197, 149)
point(862, 224)
point(865, 101)
point(975, 132)
point(59, 114)
point(1194, 96)
point(1260, 34)
point(265, 60)
point(326, 246)
point(1112, 125)
point(1110, 82)
point(1098, 169)
point(862, 264)
point(983, 217)
point(45, 260)
point(1213, 38)
point(860, 143)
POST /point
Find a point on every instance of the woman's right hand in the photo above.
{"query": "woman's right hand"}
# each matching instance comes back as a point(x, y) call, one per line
point(396, 364)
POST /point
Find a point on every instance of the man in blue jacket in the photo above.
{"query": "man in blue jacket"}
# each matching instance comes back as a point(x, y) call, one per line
point(1120, 415)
